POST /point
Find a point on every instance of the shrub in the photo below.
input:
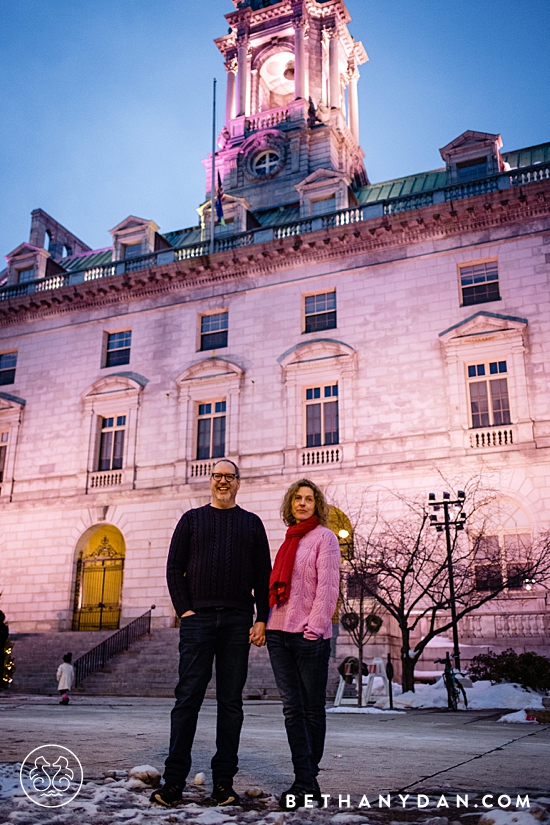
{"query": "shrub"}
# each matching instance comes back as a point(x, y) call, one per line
point(526, 669)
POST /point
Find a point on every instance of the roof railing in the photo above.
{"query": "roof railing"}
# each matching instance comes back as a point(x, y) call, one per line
point(343, 217)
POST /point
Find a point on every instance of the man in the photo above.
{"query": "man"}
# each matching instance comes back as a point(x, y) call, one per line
point(218, 566)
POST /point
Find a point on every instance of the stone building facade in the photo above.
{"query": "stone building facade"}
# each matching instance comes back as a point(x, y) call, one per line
point(369, 336)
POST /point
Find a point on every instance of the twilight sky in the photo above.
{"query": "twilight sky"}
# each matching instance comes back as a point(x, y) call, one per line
point(106, 104)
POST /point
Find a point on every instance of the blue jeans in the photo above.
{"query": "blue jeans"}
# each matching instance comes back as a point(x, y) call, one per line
point(208, 634)
point(301, 671)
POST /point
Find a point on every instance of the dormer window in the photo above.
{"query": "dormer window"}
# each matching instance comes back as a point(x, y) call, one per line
point(25, 276)
point(471, 170)
point(134, 250)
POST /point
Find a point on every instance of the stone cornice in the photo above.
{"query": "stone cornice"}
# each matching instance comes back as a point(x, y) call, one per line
point(437, 222)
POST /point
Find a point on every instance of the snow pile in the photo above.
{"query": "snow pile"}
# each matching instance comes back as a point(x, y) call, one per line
point(518, 716)
point(481, 696)
point(534, 816)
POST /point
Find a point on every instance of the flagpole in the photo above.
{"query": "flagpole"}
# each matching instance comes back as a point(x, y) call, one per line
point(213, 182)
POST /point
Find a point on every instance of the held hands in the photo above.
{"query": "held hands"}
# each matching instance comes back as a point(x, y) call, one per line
point(257, 634)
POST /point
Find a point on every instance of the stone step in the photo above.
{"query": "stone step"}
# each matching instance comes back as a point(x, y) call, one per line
point(148, 668)
point(38, 655)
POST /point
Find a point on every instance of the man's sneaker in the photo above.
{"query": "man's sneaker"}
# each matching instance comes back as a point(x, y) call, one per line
point(295, 798)
point(225, 794)
point(168, 795)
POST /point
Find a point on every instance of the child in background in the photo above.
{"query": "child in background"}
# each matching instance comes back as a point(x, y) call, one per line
point(65, 678)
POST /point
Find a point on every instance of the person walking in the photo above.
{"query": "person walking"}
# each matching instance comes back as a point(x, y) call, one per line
point(218, 569)
point(65, 678)
point(303, 594)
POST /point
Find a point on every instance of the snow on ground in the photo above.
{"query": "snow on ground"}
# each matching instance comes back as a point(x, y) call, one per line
point(518, 716)
point(497, 816)
point(481, 696)
point(118, 799)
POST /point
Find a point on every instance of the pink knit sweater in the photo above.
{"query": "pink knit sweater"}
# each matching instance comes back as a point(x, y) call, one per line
point(314, 588)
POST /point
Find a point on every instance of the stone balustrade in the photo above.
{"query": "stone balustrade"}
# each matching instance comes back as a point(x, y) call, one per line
point(343, 217)
point(491, 437)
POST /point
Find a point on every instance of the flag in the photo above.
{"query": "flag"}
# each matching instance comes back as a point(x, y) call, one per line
point(219, 202)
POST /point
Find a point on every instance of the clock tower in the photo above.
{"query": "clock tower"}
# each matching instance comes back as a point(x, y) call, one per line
point(291, 135)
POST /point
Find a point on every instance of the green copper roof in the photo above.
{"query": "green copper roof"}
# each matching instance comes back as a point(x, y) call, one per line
point(79, 262)
point(400, 187)
point(527, 157)
point(183, 237)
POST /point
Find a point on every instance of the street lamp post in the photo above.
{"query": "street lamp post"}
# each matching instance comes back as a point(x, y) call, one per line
point(458, 523)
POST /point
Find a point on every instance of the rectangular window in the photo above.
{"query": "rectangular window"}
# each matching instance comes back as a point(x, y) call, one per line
point(361, 585)
point(3, 453)
point(488, 568)
point(323, 206)
point(111, 443)
point(214, 330)
point(500, 561)
point(489, 401)
point(472, 170)
point(322, 416)
point(8, 362)
point(25, 276)
point(118, 348)
point(134, 250)
point(211, 430)
point(320, 311)
point(479, 283)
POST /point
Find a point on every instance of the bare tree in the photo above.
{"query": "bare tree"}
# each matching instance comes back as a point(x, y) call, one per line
point(358, 617)
point(401, 564)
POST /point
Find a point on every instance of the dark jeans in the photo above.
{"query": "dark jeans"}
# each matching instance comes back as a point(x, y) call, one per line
point(301, 671)
point(223, 635)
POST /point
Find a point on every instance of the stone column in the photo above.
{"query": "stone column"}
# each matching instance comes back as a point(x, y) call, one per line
point(333, 69)
point(299, 59)
point(353, 103)
point(231, 68)
point(242, 71)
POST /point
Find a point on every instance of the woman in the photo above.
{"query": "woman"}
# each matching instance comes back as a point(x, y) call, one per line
point(303, 593)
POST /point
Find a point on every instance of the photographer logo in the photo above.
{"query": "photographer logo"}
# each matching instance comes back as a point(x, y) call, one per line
point(51, 776)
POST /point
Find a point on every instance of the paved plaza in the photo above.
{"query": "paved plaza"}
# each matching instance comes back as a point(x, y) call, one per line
point(420, 751)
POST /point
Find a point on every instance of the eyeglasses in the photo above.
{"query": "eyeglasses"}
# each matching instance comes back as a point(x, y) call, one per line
point(227, 476)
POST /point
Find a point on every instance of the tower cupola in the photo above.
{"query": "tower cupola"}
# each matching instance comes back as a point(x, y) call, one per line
point(291, 111)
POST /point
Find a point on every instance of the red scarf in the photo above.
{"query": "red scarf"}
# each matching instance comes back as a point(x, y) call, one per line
point(279, 582)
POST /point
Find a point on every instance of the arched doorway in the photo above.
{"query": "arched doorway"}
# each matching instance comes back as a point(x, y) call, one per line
point(98, 590)
point(342, 527)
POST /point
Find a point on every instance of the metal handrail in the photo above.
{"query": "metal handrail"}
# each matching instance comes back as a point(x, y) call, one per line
point(120, 641)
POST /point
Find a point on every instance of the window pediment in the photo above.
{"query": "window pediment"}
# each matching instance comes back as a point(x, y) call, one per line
point(482, 326)
point(213, 369)
point(10, 402)
point(121, 384)
point(310, 352)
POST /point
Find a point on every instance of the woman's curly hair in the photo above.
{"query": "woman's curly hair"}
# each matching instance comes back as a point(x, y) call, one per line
point(321, 506)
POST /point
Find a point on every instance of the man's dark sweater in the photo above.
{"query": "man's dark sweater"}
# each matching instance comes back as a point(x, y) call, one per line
point(219, 558)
